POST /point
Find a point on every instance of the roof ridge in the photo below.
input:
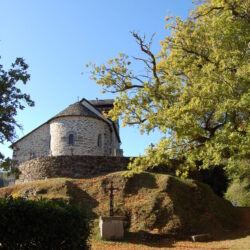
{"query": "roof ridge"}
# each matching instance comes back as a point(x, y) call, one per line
point(74, 109)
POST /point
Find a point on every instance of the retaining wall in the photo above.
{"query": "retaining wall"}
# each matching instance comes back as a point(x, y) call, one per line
point(70, 166)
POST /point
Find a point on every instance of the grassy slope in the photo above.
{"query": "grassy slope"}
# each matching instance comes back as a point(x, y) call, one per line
point(152, 203)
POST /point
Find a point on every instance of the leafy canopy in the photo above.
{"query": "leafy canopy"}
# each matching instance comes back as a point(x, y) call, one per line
point(11, 100)
point(195, 90)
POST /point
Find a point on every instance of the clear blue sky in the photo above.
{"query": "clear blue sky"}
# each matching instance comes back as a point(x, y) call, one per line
point(57, 38)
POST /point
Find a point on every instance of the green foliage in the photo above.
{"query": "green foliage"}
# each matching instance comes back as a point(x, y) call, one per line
point(195, 90)
point(239, 192)
point(42, 224)
point(11, 100)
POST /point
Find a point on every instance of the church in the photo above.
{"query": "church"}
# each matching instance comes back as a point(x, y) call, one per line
point(80, 129)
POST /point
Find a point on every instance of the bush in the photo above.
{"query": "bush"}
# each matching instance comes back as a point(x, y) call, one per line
point(42, 224)
point(239, 192)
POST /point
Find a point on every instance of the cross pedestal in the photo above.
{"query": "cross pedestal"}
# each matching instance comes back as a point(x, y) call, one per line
point(111, 227)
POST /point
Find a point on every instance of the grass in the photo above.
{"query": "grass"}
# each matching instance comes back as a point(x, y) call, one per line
point(154, 204)
point(241, 243)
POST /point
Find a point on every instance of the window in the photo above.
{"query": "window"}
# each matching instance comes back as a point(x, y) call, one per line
point(71, 139)
point(99, 141)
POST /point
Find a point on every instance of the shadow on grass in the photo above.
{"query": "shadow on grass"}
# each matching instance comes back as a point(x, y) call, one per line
point(201, 211)
point(81, 198)
point(242, 229)
point(143, 238)
point(137, 182)
point(148, 239)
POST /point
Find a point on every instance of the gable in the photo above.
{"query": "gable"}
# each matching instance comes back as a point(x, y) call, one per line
point(82, 108)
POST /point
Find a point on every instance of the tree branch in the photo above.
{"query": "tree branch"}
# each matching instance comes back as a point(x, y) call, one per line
point(209, 11)
point(146, 49)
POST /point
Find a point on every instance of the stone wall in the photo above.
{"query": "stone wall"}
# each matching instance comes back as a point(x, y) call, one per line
point(52, 139)
point(71, 167)
point(85, 131)
point(36, 144)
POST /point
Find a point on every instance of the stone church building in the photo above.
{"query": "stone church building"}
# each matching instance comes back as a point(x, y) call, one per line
point(80, 129)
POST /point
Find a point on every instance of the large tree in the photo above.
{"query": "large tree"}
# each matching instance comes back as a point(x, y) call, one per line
point(11, 100)
point(195, 90)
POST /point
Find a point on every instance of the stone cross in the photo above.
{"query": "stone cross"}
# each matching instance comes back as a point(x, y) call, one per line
point(111, 197)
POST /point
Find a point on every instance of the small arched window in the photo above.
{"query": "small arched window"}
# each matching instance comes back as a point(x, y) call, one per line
point(71, 139)
point(99, 141)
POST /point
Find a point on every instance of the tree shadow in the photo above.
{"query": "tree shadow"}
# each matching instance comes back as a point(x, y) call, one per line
point(198, 210)
point(81, 198)
point(201, 211)
point(231, 234)
point(169, 241)
point(137, 182)
point(242, 228)
point(149, 239)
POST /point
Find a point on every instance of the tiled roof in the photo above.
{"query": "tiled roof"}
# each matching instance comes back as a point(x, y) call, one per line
point(76, 109)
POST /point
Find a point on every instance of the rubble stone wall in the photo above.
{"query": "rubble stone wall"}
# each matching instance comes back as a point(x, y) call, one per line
point(70, 167)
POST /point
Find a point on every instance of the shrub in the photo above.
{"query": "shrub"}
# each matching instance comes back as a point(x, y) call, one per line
point(239, 192)
point(42, 224)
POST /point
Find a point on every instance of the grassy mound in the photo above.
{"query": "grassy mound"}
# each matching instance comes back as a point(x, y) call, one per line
point(152, 203)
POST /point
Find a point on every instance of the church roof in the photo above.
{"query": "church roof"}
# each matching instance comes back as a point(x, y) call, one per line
point(78, 109)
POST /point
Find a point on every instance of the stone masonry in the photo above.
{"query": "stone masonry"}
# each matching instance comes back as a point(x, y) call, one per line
point(85, 131)
point(37, 144)
point(90, 131)
point(70, 167)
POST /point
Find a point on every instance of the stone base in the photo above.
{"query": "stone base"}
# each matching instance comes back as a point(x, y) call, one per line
point(111, 228)
point(201, 237)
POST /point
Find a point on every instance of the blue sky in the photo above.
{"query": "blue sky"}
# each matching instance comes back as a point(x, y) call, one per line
point(57, 38)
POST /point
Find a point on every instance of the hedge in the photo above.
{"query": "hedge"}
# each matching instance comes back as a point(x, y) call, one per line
point(42, 224)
